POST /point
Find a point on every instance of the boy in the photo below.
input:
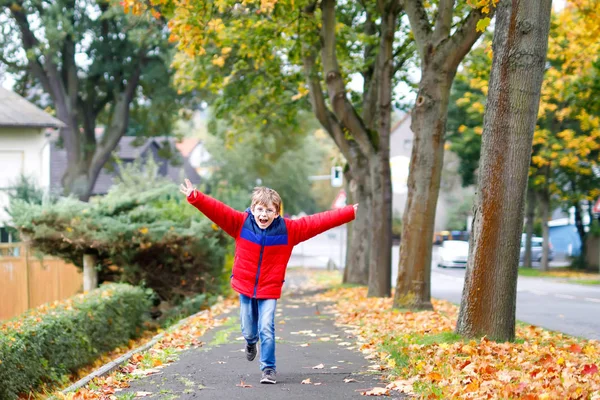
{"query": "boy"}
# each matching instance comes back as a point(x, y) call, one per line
point(263, 246)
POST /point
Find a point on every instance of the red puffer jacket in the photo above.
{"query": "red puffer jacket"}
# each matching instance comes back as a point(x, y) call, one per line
point(261, 255)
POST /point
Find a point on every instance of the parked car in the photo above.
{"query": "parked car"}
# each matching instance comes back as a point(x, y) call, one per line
point(453, 253)
point(536, 249)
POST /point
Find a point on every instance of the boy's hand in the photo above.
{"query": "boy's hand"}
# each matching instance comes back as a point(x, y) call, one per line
point(355, 208)
point(187, 189)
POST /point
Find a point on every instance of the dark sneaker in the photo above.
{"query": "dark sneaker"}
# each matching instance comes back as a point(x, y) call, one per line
point(250, 351)
point(268, 376)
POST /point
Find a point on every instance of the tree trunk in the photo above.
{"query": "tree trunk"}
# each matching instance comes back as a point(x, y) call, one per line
point(380, 259)
point(367, 151)
point(90, 274)
point(529, 226)
point(358, 250)
point(441, 48)
point(428, 124)
point(520, 44)
point(544, 199)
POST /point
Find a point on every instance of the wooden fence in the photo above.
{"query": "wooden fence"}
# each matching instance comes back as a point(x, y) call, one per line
point(27, 281)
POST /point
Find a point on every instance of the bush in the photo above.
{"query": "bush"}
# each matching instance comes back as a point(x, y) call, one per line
point(43, 344)
point(143, 233)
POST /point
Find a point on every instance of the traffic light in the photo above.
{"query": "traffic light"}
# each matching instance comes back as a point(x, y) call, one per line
point(337, 176)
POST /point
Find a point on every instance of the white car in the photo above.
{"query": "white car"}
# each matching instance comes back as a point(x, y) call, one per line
point(453, 253)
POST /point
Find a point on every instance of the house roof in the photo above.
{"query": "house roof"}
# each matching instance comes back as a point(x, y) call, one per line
point(15, 111)
point(186, 146)
point(129, 149)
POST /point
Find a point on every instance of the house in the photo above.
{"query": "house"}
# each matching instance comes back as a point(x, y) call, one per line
point(176, 167)
point(28, 147)
point(24, 147)
point(197, 154)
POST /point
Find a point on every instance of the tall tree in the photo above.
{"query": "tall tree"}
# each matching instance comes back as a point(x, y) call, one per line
point(441, 45)
point(94, 62)
point(566, 142)
point(269, 59)
point(520, 45)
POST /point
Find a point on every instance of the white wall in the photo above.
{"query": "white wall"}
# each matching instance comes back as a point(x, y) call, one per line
point(22, 151)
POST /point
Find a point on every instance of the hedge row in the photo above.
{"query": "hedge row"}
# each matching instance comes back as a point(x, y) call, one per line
point(45, 343)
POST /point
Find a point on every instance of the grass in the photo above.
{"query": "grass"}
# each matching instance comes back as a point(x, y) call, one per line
point(222, 336)
point(586, 281)
point(395, 347)
point(570, 275)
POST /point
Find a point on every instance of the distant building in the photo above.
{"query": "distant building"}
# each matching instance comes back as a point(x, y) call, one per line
point(24, 148)
point(28, 147)
point(129, 149)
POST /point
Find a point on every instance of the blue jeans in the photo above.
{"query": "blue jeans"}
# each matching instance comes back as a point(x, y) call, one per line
point(257, 318)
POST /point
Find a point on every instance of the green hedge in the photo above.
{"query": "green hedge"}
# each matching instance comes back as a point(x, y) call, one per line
point(43, 344)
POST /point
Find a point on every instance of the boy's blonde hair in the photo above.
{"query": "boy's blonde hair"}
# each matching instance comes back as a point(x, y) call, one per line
point(264, 195)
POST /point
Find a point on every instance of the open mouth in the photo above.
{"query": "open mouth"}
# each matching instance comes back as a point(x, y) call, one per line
point(263, 221)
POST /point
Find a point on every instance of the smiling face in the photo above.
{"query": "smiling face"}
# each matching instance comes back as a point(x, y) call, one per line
point(264, 214)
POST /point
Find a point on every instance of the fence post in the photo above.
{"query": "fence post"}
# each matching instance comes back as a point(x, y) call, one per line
point(25, 249)
point(90, 275)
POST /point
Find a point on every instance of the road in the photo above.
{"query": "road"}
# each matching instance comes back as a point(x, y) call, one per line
point(569, 308)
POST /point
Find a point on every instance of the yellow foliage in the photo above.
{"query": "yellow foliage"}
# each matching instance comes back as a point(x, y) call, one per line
point(215, 25)
point(218, 61)
point(539, 161)
point(477, 107)
point(302, 91)
point(463, 101)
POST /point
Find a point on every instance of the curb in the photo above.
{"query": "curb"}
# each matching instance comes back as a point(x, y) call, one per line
point(112, 365)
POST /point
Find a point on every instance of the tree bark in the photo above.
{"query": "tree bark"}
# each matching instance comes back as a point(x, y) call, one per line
point(529, 226)
point(413, 289)
point(358, 251)
point(364, 142)
point(380, 260)
point(441, 52)
point(544, 199)
point(90, 274)
point(520, 44)
point(85, 157)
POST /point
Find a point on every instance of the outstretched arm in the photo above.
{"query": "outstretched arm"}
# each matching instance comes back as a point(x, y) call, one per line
point(225, 217)
point(307, 227)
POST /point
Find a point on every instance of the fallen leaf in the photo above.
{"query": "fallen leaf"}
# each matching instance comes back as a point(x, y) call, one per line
point(146, 372)
point(304, 345)
point(320, 366)
point(142, 394)
point(243, 384)
point(348, 380)
point(590, 369)
point(376, 391)
point(306, 381)
point(434, 376)
point(574, 348)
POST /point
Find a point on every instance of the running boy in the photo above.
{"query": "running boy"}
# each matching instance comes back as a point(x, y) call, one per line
point(263, 246)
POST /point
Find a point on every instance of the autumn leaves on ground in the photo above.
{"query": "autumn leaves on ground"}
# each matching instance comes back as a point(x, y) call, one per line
point(418, 352)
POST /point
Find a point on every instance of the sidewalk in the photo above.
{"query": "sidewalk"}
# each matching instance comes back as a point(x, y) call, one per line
point(219, 368)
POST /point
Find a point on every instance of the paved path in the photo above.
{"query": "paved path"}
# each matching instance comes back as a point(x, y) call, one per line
point(215, 370)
